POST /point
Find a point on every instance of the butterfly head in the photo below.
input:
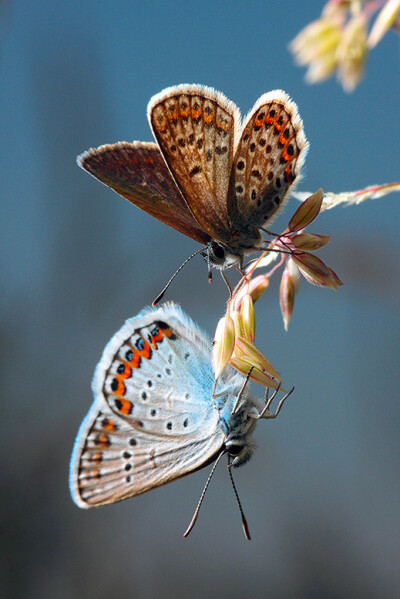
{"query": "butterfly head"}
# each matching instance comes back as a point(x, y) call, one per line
point(238, 443)
point(238, 426)
point(222, 256)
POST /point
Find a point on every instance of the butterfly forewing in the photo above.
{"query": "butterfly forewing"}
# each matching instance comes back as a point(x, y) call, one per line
point(195, 127)
point(267, 161)
point(138, 172)
point(153, 419)
point(209, 177)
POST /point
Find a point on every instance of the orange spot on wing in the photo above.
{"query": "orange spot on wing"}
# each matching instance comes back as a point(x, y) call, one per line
point(223, 126)
point(286, 156)
point(124, 406)
point(157, 338)
point(196, 114)
point(136, 358)
point(146, 351)
point(127, 372)
point(120, 390)
point(185, 112)
point(167, 332)
point(103, 440)
point(282, 140)
point(173, 115)
point(96, 457)
point(163, 331)
point(208, 118)
point(109, 425)
point(138, 354)
point(287, 173)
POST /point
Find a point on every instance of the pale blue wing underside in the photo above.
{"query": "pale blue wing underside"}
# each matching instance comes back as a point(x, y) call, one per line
point(154, 424)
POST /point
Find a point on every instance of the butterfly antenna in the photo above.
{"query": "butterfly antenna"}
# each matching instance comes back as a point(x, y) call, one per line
point(209, 264)
point(161, 295)
point(244, 521)
point(196, 512)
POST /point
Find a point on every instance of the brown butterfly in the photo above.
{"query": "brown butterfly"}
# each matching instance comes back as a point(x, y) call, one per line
point(209, 176)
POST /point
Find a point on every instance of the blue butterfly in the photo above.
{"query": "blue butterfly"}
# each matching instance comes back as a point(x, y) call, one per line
point(155, 417)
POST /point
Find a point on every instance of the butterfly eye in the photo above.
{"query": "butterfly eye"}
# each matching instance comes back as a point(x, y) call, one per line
point(234, 450)
point(217, 253)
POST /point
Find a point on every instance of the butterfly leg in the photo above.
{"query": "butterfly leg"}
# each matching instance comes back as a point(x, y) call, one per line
point(278, 237)
point(265, 412)
point(239, 397)
point(226, 283)
point(268, 232)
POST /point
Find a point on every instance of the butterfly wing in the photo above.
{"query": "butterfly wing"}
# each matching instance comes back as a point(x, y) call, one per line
point(195, 127)
point(269, 156)
point(137, 171)
point(153, 419)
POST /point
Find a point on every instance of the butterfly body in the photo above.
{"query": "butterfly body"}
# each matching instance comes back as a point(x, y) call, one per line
point(154, 417)
point(210, 176)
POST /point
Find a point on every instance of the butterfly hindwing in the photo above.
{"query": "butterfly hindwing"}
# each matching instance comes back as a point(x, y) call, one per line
point(195, 127)
point(153, 419)
point(268, 159)
point(138, 172)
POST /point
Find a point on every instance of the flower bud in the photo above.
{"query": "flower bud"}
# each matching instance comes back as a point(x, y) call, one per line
point(384, 21)
point(309, 241)
point(255, 287)
point(237, 321)
point(286, 296)
point(315, 271)
point(316, 46)
point(352, 52)
point(306, 213)
point(321, 69)
point(335, 277)
point(266, 259)
point(256, 375)
point(248, 318)
point(224, 342)
point(294, 274)
point(244, 350)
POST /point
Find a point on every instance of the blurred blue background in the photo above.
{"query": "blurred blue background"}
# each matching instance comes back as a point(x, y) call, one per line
point(321, 494)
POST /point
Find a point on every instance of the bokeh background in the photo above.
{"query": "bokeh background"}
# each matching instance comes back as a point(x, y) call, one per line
point(321, 493)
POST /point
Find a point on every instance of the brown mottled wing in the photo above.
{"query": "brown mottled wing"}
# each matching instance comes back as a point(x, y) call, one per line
point(268, 159)
point(137, 171)
point(195, 128)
